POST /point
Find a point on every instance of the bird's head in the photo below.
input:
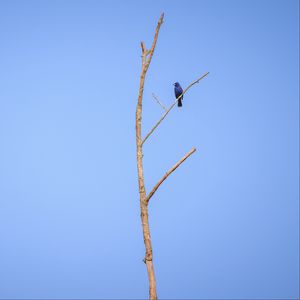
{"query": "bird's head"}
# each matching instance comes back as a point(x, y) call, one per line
point(176, 84)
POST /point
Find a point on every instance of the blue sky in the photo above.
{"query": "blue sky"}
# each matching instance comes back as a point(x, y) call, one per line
point(224, 225)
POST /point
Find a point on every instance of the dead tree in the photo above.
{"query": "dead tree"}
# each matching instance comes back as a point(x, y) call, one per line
point(147, 55)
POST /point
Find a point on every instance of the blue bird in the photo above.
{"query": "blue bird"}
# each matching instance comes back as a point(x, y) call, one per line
point(178, 91)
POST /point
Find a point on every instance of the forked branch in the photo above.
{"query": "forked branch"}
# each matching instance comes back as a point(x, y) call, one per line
point(145, 52)
point(166, 113)
point(169, 173)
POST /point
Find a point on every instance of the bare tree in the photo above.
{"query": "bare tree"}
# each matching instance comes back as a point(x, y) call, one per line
point(147, 55)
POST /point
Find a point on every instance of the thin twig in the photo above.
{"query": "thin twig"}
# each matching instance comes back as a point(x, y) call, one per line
point(159, 102)
point(170, 172)
point(165, 114)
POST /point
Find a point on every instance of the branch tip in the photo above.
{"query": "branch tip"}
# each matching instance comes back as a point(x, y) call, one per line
point(143, 46)
point(161, 19)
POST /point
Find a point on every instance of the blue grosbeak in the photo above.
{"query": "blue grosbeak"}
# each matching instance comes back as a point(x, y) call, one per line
point(178, 91)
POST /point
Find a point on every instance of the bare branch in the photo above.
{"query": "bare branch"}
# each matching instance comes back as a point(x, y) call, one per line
point(169, 172)
point(166, 113)
point(151, 50)
point(139, 152)
point(159, 102)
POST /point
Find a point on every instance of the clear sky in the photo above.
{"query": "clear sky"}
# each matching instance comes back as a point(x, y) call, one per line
point(224, 225)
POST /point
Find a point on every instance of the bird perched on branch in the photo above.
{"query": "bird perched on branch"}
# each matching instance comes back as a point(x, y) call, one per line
point(178, 91)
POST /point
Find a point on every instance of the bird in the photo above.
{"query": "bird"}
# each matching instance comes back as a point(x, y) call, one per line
point(178, 91)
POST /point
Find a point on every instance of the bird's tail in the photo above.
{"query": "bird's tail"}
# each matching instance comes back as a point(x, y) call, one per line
point(179, 102)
